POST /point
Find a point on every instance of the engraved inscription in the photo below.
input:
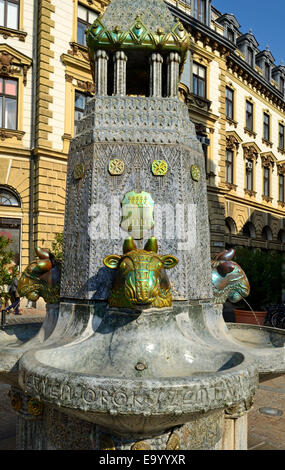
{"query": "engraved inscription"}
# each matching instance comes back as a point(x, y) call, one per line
point(119, 398)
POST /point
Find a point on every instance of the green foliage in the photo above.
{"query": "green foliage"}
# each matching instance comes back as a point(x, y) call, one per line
point(56, 246)
point(6, 274)
point(264, 272)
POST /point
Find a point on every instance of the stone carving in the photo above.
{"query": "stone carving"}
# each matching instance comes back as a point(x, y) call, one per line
point(35, 407)
point(140, 277)
point(159, 167)
point(228, 279)
point(139, 119)
point(41, 278)
point(116, 166)
point(195, 173)
point(79, 171)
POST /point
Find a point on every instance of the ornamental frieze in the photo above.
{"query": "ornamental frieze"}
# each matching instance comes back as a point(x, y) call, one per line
point(250, 152)
point(232, 143)
point(267, 161)
point(281, 168)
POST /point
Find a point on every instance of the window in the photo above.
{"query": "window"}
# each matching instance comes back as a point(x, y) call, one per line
point(281, 188)
point(230, 166)
point(8, 103)
point(266, 234)
point(249, 116)
point(81, 99)
point(86, 17)
point(7, 198)
point(249, 175)
point(281, 136)
point(229, 103)
point(281, 84)
point(266, 181)
point(250, 56)
point(199, 80)
point(9, 13)
point(267, 71)
point(266, 127)
point(200, 10)
point(231, 35)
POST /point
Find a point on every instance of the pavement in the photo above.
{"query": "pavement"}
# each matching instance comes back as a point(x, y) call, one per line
point(265, 432)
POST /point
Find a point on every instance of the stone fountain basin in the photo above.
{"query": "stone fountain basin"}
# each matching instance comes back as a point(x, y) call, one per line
point(265, 344)
point(137, 372)
point(16, 339)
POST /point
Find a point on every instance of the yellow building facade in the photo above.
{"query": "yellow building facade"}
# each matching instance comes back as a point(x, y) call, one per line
point(45, 82)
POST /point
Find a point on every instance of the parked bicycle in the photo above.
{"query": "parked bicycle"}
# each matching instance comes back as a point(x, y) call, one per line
point(276, 316)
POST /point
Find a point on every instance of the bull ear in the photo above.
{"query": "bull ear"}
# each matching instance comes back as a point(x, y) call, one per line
point(169, 261)
point(129, 245)
point(112, 261)
point(226, 255)
point(42, 253)
point(151, 245)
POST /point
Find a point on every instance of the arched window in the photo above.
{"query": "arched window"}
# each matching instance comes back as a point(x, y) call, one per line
point(281, 236)
point(9, 198)
point(249, 230)
point(231, 228)
point(266, 233)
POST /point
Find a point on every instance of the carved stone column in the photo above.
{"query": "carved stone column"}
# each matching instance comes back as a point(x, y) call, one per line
point(120, 66)
point(101, 75)
point(236, 426)
point(156, 61)
point(30, 429)
point(173, 61)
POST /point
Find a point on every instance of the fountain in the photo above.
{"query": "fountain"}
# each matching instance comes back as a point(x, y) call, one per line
point(136, 355)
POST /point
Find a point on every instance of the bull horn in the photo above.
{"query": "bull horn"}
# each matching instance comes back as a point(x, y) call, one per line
point(151, 245)
point(129, 245)
point(42, 267)
point(42, 253)
point(225, 268)
point(226, 255)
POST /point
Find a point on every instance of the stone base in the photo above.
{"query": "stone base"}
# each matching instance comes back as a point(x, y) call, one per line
point(59, 431)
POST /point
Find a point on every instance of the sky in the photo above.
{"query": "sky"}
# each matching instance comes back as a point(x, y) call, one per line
point(266, 19)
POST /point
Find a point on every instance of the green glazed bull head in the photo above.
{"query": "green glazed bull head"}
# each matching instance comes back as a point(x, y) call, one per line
point(140, 277)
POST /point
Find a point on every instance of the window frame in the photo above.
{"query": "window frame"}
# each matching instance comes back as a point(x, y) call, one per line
point(86, 23)
point(15, 2)
point(266, 127)
point(249, 171)
point(281, 188)
point(231, 101)
point(281, 137)
point(197, 9)
point(249, 128)
point(86, 95)
point(267, 71)
point(281, 85)
point(266, 181)
point(10, 194)
point(4, 97)
point(230, 166)
point(199, 79)
point(250, 57)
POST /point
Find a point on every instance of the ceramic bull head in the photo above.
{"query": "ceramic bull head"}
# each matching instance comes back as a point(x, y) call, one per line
point(229, 281)
point(140, 277)
point(41, 278)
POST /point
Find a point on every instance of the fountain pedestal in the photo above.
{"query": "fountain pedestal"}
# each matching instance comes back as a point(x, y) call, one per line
point(137, 359)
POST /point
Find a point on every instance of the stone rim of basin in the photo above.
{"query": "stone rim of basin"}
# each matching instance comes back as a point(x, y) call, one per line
point(137, 396)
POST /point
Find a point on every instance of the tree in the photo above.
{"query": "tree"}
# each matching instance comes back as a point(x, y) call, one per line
point(264, 272)
point(7, 270)
point(56, 246)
